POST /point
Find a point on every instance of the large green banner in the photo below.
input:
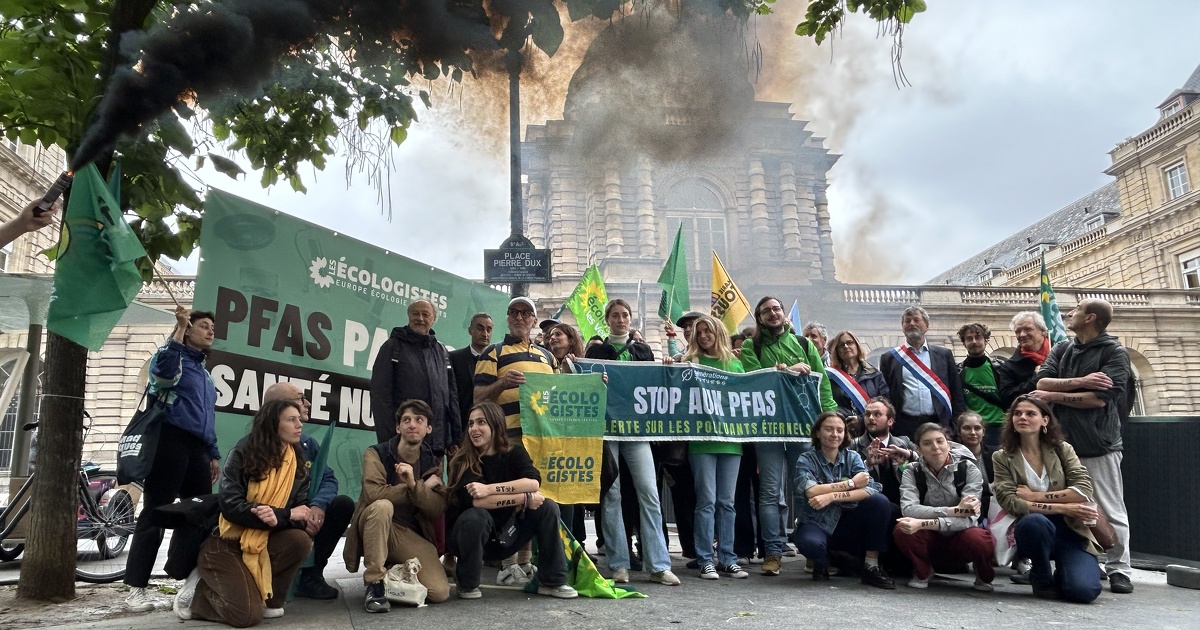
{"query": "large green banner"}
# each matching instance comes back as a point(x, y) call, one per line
point(686, 401)
point(562, 426)
point(301, 303)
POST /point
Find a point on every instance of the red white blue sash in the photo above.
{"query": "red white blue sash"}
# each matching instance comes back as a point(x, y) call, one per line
point(909, 359)
point(858, 395)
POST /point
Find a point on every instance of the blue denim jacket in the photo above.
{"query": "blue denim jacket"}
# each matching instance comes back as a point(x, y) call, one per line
point(815, 470)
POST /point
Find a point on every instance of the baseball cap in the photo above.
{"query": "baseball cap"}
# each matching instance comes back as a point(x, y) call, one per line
point(547, 323)
point(687, 317)
point(523, 300)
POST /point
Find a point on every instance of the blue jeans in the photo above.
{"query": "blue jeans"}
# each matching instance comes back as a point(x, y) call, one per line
point(716, 480)
point(640, 461)
point(776, 467)
point(1044, 538)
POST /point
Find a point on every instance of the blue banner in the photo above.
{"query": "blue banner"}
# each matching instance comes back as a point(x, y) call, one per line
point(686, 401)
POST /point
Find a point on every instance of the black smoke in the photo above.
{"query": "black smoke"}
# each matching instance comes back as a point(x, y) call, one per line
point(232, 47)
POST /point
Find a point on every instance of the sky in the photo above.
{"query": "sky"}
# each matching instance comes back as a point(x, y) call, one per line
point(1009, 115)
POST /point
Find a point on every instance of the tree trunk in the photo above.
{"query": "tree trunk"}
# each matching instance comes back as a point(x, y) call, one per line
point(48, 569)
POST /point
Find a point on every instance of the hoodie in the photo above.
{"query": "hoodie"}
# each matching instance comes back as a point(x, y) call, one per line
point(1093, 432)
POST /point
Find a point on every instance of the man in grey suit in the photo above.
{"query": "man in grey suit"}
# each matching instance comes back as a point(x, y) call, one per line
point(923, 381)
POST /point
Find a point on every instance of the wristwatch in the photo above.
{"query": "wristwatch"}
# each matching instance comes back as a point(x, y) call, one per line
point(850, 482)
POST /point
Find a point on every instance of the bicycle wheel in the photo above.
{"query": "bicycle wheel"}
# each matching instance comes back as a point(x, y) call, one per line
point(102, 539)
point(10, 552)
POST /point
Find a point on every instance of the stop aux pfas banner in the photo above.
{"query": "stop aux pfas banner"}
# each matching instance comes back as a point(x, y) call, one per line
point(687, 401)
point(562, 426)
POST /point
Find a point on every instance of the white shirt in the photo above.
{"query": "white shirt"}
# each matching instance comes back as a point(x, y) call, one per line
point(1037, 483)
point(918, 400)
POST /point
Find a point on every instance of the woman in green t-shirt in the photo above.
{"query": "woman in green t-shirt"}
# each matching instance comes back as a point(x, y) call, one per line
point(714, 464)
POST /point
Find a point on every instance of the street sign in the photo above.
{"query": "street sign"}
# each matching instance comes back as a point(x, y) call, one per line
point(517, 260)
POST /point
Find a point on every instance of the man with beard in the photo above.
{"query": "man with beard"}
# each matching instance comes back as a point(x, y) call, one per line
point(413, 364)
point(923, 383)
point(328, 511)
point(402, 497)
point(1087, 380)
point(882, 452)
point(980, 378)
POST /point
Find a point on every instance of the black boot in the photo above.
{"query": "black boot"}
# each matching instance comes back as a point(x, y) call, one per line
point(313, 586)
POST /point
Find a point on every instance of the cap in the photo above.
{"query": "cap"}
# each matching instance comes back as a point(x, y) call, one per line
point(547, 323)
point(523, 300)
point(687, 317)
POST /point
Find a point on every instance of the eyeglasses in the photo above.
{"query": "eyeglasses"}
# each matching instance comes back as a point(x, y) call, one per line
point(771, 309)
point(520, 314)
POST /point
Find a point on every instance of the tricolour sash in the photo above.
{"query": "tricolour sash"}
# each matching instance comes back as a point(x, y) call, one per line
point(858, 395)
point(909, 359)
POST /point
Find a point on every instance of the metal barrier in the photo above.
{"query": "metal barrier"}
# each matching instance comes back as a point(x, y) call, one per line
point(1162, 485)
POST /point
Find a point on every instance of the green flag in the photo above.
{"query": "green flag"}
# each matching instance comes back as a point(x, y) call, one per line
point(1050, 311)
point(95, 273)
point(587, 303)
point(674, 282)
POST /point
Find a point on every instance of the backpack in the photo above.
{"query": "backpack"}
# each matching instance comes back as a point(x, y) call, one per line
point(960, 480)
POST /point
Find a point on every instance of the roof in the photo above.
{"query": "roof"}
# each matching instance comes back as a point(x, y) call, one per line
point(1191, 86)
point(1058, 228)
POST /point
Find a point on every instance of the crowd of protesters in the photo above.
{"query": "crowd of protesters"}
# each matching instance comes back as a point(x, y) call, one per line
point(909, 463)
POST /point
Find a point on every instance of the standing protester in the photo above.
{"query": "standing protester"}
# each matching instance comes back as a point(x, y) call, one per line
point(413, 364)
point(401, 501)
point(714, 464)
point(922, 380)
point(495, 486)
point(775, 344)
point(1087, 382)
point(941, 505)
point(819, 335)
point(328, 512)
point(1018, 375)
point(839, 504)
point(498, 376)
point(618, 346)
point(463, 362)
point(186, 462)
point(1040, 480)
point(853, 380)
point(980, 376)
point(246, 567)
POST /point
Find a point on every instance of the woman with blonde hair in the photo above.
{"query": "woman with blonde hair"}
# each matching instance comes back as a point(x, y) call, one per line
point(714, 464)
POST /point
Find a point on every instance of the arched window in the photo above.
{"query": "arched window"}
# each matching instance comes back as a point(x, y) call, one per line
point(695, 205)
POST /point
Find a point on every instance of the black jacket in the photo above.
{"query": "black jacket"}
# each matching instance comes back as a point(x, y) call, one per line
point(235, 481)
point(872, 382)
point(463, 361)
point(941, 363)
point(410, 365)
point(1017, 376)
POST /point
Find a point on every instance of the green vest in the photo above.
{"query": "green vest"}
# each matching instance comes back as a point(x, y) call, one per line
point(983, 379)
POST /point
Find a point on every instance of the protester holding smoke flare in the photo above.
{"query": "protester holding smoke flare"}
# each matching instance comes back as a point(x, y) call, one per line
point(640, 460)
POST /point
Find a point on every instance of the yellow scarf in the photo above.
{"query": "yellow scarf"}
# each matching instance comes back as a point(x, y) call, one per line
point(273, 491)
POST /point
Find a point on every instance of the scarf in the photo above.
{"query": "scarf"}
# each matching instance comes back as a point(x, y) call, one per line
point(1038, 356)
point(273, 491)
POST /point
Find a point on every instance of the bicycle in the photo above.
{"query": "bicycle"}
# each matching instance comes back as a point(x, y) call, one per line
point(105, 522)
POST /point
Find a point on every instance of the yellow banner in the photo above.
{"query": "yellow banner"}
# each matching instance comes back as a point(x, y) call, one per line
point(728, 303)
point(570, 467)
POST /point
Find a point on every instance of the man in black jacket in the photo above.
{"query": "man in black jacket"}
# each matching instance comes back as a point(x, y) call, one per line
point(463, 362)
point(1086, 380)
point(1018, 375)
point(413, 365)
point(923, 382)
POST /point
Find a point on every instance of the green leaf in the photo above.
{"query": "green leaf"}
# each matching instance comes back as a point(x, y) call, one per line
point(226, 166)
point(547, 28)
point(399, 135)
point(296, 184)
point(172, 133)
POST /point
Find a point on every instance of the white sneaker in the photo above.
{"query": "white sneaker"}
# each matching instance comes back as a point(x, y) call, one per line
point(709, 572)
point(562, 592)
point(983, 587)
point(514, 575)
point(138, 600)
point(272, 613)
point(621, 576)
point(917, 582)
point(665, 577)
point(187, 592)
